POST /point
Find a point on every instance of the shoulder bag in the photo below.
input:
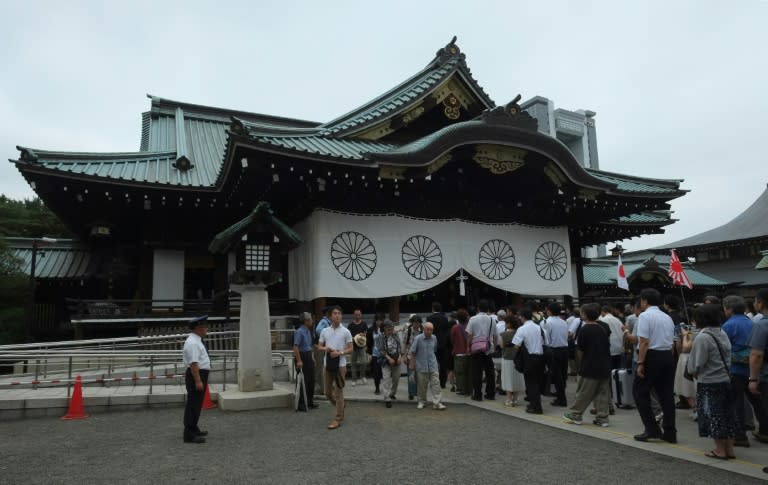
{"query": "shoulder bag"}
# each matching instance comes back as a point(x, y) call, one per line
point(481, 346)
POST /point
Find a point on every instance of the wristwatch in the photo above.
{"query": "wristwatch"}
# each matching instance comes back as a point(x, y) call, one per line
point(754, 380)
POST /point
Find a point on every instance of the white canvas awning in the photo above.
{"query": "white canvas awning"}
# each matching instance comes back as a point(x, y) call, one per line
point(377, 256)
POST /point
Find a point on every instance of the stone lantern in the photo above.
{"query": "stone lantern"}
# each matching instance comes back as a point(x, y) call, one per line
point(258, 241)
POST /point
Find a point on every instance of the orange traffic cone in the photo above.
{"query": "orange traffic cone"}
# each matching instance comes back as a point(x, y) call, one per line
point(76, 407)
point(207, 403)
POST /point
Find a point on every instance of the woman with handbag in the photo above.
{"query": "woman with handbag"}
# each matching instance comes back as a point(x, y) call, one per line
point(709, 363)
point(685, 389)
point(512, 381)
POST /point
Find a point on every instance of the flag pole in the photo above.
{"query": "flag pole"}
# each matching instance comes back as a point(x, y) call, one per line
point(687, 317)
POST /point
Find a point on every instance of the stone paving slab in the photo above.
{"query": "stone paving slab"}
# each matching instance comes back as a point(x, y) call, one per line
point(30, 403)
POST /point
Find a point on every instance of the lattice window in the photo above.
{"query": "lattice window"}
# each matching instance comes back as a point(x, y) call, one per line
point(256, 257)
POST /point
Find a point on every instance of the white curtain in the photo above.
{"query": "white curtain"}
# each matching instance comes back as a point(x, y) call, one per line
point(377, 256)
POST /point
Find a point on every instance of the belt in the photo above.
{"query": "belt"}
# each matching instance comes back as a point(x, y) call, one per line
point(660, 350)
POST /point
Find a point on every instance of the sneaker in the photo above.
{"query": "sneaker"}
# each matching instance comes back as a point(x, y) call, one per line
point(364, 381)
point(453, 388)
point(514, 402)
point(439, 406)
point(388, 404)
point(354, 383)
point(568, 418)
point(601, 423)
point(420, 405)
point(508, 403)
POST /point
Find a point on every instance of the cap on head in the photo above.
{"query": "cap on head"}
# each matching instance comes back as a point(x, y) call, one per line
point(388, 324)
point(201, 321)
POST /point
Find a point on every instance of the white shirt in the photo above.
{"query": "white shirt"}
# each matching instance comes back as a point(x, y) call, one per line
point(479, 327)
point(501, 327)
point(194, 351)
point(656, 326)
point(556, 332)
point(336, 339)
point(757, 317)
point(530, 335)
point(617, 333)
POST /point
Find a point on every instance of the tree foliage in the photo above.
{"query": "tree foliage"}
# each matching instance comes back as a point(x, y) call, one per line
point(29, 218)
point(20, 218)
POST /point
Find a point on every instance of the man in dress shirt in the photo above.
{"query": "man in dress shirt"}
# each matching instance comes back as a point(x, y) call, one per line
point(336, 342)
point(198, 366)
point(421, 357)
point(655, 367)
point(531, 336)
point(305, 361)
point(557, 335)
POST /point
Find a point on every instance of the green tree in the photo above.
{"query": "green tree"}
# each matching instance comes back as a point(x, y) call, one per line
point(14, 292)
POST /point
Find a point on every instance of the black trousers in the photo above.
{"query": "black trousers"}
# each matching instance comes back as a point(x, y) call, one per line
point(659, 376)
point(308, 370)
point(194, 403)
point(740, 390)
point(376, 372)
point(559, 372)
point(483, 363)
point(444, 358)
point(534, 369)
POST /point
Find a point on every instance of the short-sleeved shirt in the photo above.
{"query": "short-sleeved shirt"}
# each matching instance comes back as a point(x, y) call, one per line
point(557, 332)
point(195, 351)
point(738, 328)
point(530, 335)
point(336, 339)
point(617, 333)
point(656, 326)
point(759, 341)
point(303, 339)
point(479, 327)
point(322, 325)
point(423, 350)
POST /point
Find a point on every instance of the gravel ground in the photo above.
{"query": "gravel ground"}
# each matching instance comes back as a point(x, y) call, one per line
point(375, 445)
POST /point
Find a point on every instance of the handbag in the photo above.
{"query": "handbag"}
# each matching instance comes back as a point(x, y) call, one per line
point(300, 395)
point(520, 358)
point(546, 349)
point(332, 363)
point(482, 346)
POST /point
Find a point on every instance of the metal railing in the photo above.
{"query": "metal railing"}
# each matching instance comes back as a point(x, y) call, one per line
point(127, 359)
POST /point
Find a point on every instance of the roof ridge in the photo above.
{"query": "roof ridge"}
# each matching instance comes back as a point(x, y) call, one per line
point(674, 182)
point(447, 60)
point(33, 154)
point(226, 113)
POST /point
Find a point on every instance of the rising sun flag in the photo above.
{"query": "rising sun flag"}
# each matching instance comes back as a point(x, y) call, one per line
point(676, 272)
point(621, 276)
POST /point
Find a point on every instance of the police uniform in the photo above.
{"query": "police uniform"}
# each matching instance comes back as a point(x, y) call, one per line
point(195, 352)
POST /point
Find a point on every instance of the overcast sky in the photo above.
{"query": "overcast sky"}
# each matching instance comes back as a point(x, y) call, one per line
point(679, 87)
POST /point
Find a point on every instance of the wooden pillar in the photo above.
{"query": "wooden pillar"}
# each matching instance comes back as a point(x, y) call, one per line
point(394, 309)
point(317, 308)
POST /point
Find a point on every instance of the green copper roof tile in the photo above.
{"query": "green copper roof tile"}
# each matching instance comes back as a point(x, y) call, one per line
point(636, 185)
point(59, 262)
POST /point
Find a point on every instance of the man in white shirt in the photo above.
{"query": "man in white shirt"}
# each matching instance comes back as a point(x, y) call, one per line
point(335, 342)
point(531, 336)
point(198, 365)
point(655, 367)
point(482, 331)
point(617, 335)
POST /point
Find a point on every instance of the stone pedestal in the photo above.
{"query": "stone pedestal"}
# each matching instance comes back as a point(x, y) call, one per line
point(255, 368)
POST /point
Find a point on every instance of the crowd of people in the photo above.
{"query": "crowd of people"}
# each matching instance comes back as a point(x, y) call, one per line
point(651, 353)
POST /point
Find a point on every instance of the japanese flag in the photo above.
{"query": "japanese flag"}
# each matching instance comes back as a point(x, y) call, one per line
point(621, 276)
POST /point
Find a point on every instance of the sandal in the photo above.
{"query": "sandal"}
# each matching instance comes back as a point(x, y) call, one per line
point(334, 425)
point(712, 454)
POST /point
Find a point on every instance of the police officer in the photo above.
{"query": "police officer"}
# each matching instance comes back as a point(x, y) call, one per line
point(198, 366)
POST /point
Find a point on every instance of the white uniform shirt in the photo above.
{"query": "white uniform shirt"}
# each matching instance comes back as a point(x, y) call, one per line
point(617, 333)
point(194, 351)
point(336, 339)
point(656, 326)
point(530, 335)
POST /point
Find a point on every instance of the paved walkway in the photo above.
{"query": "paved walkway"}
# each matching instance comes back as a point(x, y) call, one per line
point(18, 403)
